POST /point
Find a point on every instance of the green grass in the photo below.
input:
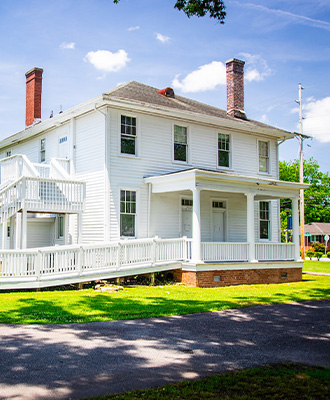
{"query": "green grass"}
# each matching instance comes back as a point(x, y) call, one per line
point(287, 381)
point(317, 266)
point(65, 307)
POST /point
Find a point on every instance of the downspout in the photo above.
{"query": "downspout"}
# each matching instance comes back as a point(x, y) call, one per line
point(149, 203)
point(106, 225)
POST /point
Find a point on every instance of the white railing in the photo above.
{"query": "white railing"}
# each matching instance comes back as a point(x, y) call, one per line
point(64, 163)
point(274, 251)
point(225, 251)
point(49, 195)
point(14, 167)
point(43, 170)
point(61, 262)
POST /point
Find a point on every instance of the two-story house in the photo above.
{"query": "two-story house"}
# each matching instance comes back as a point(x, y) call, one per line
point(138, 163)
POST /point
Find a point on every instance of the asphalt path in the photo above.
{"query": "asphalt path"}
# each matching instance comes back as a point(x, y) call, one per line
point(82, 360)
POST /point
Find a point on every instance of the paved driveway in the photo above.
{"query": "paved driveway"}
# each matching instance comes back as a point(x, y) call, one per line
point(75, 361)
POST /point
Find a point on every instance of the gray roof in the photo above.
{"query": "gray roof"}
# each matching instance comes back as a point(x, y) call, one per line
point(318, 228)
point(145, 94)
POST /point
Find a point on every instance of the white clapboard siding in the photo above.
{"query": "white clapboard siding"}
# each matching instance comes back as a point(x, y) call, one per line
point(40, 233)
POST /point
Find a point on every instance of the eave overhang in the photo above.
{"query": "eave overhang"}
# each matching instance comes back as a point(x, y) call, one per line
point(262, 188)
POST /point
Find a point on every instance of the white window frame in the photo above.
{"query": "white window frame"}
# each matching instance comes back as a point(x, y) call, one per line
point(230, 150)
point(269, 221)
point(128, 189)
point(42, 150)
point(184, 197)
point(58, 226)
point(187, 148)
point(137, 136)
point(267, 172)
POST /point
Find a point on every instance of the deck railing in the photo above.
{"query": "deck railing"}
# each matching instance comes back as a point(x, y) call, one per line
point(127, 255)
point(225, 251)
point(274, 251)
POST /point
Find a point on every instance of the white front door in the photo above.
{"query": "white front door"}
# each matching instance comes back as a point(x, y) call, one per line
point(218, 226)
point(187, 222)
point(63, 147)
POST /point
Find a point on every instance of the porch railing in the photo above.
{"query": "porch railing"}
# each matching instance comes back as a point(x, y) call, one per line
point(67, 261)
point(225, 251)
point(274, 251)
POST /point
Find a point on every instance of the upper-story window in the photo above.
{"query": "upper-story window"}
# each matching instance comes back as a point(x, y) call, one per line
point(127, 213)
point(223, 150)
point(180, 143)
point(128, 135)
point(264, 220)
point(263, 156)
point(42, 150)
point(8, 153)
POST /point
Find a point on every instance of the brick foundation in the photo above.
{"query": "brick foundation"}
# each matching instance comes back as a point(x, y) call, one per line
point(238, 277)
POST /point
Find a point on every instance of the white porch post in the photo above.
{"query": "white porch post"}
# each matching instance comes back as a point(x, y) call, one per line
point(196, 234)
point(250, 226)
point(12, 231)
point(24, 228)
point(4, 234)
point(18, 230)
point(295, 228)
point(66, 229)
point(79, 228)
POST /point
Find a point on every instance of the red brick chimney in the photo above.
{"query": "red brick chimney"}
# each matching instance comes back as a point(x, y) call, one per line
point(235, 88)
point(33, 96)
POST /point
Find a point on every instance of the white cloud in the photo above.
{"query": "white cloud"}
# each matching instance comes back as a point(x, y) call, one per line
point(206, 77)
point(317, 119)
point(107, 61)
point(67, 46)
point(264, 119)
point(256, 67)
point(133, 28)
point(162, 38)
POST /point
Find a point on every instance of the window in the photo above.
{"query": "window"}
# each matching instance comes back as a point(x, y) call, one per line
point(128, 135)
point(8, 231)
point(180, 143)
point(127, 213)
point(187, 202)
point(8, 153)
point(60, 226)
point(263, 157)
point(42, 150)
point(264, 219)
point(218, 204)
point(223, 150)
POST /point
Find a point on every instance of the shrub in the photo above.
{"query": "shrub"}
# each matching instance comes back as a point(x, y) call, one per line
point(318, 247)
point(328, 254)
point(310, 254)
point(318, 255)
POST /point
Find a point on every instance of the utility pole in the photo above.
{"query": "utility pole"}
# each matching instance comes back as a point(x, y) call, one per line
point(301, 173)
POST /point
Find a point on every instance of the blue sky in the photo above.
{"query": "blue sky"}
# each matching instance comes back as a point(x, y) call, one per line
point(87, 47)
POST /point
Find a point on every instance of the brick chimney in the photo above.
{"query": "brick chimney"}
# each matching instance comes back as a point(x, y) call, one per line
point(33, 96)
point(235, 88)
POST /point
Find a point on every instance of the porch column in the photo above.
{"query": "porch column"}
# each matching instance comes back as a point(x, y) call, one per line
point(79, 228)
point(250, 227)
point(295, 229)
point(66, 229)
point(196, 234)
point(12, 231)
point(4, 234)
point(18, 230)
point(24, 228)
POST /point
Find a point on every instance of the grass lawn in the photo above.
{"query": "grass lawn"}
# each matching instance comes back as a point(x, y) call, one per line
point(65, 307)
point(288, 381)
point(317, 266)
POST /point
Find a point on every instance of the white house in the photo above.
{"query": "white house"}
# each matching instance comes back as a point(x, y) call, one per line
point(139, 163)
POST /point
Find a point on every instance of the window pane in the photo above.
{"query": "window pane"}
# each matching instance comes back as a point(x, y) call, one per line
point(127, 145)
point(262, 164)
point(180, 152)
point(180, 134)
point(264, 229)
point(223, 159)
point(127, 225)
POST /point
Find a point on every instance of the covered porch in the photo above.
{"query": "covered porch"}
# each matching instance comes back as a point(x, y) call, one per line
point(246, 208)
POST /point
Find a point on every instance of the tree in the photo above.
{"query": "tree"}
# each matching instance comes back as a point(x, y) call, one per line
point(199, 8)
point(317, 196)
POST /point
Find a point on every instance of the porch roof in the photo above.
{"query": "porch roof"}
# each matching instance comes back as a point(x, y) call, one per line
point(203, 179)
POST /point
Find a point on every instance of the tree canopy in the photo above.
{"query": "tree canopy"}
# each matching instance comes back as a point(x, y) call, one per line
point(317, 196)
point(199, 8)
